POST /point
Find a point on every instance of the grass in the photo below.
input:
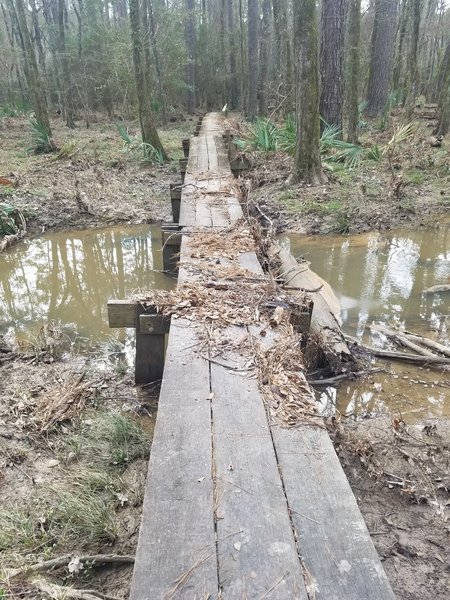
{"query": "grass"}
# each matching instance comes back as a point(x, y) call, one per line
point(23, 529)
point(85, 515)
point(109, 439)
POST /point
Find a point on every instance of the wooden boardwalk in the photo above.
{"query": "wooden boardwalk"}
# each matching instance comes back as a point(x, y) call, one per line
point(235, 506)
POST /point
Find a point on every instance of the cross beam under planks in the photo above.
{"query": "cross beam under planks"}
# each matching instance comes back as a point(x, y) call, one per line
point(151, 330)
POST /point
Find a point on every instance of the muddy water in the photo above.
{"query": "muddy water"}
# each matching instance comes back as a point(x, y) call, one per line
point(68, 277)
point(380, 278)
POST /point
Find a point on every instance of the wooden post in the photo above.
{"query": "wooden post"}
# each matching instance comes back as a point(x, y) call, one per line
point(150, 336)
point(183, 165)
point(171, 240)
point(175, 198)
point(150, 346)
point(185, 145)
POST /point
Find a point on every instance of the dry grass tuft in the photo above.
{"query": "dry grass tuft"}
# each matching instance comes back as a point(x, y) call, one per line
point(62, 402)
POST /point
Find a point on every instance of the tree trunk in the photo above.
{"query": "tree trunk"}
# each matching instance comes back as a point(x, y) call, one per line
point(264, 57)
point(149, 133)
point(283, 52)
point(65, 70)
point(398, 70)
point(156, 58)
point(413, 75)
point(382, 52)
point(307, 165)
point(190, 47)
point(331, 61)
point(443, 91)
point(34, 83)
point(353, 70)
point(252, 22)
point(233, 88)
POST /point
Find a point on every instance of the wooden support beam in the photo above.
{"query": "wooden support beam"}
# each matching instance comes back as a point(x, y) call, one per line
point(122, 313)
point(149, 363)
point(185, 144)
point(183, 165)
point(153, 324)
point(171, 239)
point(175, 198)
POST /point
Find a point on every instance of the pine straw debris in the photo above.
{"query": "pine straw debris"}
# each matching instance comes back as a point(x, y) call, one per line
point(220, 294)
point(64, 401)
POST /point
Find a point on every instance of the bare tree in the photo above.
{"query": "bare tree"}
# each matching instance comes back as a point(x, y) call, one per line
point(382, 53)
point(190, 46)
point(253, 20)
point(353, 70)
point(148, 129)
point(331, 61)
point(443, 90)
point(35, 88)
point(307, 164)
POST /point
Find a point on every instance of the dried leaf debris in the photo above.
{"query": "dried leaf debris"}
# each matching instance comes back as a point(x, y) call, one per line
point(219, 292)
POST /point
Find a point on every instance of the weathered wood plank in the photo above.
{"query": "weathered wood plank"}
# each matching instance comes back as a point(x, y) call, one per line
point(339, 557)
point(149, 362)
point(257, 550)
point(176, 549)
point(122, 313)
point(154, 324)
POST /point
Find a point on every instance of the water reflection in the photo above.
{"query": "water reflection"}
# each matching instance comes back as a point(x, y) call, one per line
point(381, 277)
point(68, 277)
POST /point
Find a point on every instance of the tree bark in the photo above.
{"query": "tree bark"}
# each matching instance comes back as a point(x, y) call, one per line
point(37, 95)
point(331, 61)
point(382, 52)
point(65, 70)
point(413, 75)
point(149, 133)
point(233, 94)
point(353, 70)
point(443, 92)
point(252, 23)
point(307, 164)
point(190, 47)
point(264, 57)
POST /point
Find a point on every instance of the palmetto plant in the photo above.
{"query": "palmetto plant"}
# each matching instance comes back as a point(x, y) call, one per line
point(132, 144)
point(12, 220)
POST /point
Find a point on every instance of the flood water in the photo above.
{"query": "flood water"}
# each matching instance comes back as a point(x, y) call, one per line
point(380, 278)
point(68, 277)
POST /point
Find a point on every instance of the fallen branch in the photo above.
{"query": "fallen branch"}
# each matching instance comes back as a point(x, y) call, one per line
point(429, 343)
point(336, 378)
point(59, 591)
point(436, 289)
point(412, 358)
point(63, 561)
point(401, 339)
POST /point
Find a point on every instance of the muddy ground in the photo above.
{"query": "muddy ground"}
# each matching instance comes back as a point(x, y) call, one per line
point(57, 462)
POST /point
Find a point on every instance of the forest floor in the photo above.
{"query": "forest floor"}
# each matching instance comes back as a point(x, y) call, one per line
point(74, 433)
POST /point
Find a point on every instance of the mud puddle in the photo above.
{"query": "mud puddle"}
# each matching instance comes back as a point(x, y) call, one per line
point(381, 278)
point(67, 278)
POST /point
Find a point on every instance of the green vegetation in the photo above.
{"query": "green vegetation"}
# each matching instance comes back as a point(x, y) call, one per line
point(132, 144)
point(12, 220)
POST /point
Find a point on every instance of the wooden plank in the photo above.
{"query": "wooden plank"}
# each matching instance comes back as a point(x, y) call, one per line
point(154, 324)
point(338, 554)
point(122, 313)
point(177, 537)
point(256, 546)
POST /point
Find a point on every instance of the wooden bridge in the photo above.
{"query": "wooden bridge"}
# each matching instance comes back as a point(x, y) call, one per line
point(237, 506)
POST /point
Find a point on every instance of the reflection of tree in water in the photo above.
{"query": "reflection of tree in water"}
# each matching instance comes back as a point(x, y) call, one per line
point(69, 277)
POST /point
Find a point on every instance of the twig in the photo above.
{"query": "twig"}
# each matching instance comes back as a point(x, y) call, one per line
point(305, 516)
point(63, 561)
point(342, 376)
point(276, 584)
point(59, 591)
point(24, 473)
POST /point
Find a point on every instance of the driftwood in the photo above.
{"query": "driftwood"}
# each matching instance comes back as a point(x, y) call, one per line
point(411, 358)
point(436, 289)
point(401, 339)
point(64, 561)
point(436, 346)
point(325, 320)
